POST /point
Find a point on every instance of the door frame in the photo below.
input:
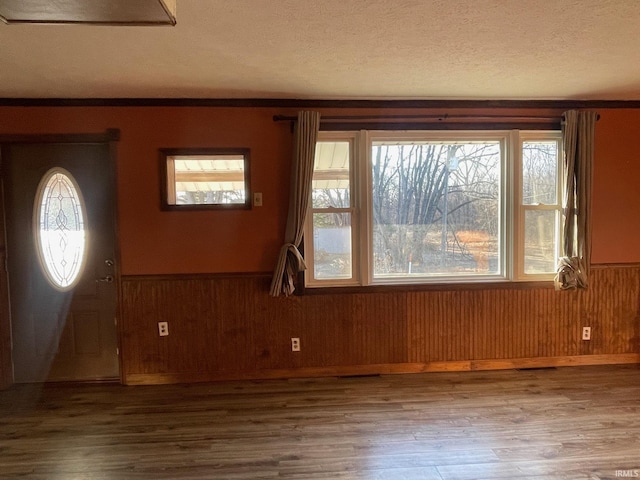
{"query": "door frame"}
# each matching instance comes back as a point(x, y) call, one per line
point(110, 137)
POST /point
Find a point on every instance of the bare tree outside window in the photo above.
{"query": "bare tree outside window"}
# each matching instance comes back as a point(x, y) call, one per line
point(436, 208)
point(540, 200)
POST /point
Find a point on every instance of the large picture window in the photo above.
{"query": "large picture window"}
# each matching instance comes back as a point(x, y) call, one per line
point(423, 207)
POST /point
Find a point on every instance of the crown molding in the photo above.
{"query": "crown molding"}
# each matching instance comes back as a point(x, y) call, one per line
point(307, 103)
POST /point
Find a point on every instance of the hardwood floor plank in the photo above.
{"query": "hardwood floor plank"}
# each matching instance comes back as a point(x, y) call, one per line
point(530, 470)
point(566, 423)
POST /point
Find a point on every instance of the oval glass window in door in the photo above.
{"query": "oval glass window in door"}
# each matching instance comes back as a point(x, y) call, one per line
point(59, 216)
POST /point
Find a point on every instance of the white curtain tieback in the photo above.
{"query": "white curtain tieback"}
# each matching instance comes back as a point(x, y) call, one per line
point(571, 273)
point(290, 247)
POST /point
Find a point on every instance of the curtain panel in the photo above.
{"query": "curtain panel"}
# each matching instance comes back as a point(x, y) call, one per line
point(578, 133)
point(290, 261)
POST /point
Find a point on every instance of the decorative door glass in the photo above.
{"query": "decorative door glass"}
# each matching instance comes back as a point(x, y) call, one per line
point(60, 228)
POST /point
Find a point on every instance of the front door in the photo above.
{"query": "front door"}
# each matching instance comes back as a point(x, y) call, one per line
point(61, 333)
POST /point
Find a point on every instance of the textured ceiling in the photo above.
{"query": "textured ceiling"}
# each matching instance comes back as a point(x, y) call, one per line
point(339, 49)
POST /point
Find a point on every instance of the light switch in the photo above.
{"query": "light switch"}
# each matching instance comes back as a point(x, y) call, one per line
point(257, 199)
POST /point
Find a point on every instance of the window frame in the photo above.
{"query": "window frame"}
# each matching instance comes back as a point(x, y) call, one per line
point(520, 208)
point(501, 137)
point(511, 208)
point(167, 177)
point(353, 210)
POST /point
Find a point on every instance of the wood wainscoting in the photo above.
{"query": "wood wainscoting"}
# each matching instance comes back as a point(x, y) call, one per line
point(6, 365)
point(228, 327)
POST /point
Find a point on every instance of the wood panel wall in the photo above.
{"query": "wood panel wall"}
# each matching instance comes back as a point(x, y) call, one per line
point(6, 368)
point(229, 328)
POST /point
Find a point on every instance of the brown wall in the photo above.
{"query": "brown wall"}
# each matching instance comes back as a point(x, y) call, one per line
point(616, 189)
point(216, 338)
point(157, 242)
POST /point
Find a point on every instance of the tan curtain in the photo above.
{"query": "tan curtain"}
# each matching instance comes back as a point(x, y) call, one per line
point(290, 261)
point(578, 132)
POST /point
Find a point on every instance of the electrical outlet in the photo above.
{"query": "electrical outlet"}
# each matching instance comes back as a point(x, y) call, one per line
point(586, 333)
point(163, 329)
point(295, 344)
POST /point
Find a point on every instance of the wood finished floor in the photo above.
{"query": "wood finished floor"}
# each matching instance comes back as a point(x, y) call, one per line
point(569, 423)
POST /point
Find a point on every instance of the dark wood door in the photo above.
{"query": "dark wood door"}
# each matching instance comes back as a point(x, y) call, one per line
point(61, 335)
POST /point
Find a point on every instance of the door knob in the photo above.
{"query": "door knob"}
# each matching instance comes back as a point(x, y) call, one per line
point(106, 279)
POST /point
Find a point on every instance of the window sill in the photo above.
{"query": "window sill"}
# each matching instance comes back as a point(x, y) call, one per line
point(427, 287)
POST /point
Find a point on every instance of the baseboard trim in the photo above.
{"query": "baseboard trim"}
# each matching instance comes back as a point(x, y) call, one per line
point(382, 369)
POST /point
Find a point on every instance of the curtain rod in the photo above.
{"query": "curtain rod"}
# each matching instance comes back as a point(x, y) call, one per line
point(446, 116)
point(440, 118)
